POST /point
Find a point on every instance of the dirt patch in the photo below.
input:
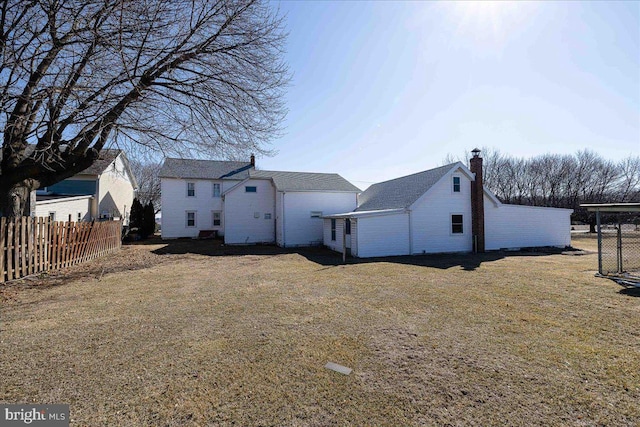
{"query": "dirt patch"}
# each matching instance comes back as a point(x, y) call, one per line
point(129, 258)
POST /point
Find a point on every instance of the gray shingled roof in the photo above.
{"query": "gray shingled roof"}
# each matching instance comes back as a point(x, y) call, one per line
point(306, 181)
point(204, 169)
point(105, 158)
point(400, 192)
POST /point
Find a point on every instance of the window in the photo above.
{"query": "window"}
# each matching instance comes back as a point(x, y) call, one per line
point(456, 184)
point(316, 214)
point(216, 219)
point(256, 215)
point(216, 190)
point(333, 230)
point(347, 226)
point(79, 216)
point(250, 189)
point(191, 189)
point(267, 216)
point(456, 224)
point(52, 216)
point(191, 219)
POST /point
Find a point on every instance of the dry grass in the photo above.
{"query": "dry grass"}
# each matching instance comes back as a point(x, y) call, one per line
point(241, 339)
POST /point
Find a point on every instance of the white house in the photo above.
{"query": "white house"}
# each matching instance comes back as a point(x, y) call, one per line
point(245, 205)
point(441, 210)
point(105, 190)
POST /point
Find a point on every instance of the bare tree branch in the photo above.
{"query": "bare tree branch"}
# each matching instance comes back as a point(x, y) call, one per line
point(204, 77)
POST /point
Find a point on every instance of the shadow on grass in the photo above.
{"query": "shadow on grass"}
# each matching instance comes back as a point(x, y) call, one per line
point(328, 258)
point(630, 292)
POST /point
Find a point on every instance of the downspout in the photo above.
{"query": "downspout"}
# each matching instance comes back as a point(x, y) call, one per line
point(97, 215)
point(410, 234)
point(222, 215)
point(344, 240)
point(275, 215)
point(598, 224)
point(284, 228)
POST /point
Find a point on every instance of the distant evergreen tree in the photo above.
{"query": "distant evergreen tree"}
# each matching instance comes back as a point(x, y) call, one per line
point(136, 215)
point(148, 221)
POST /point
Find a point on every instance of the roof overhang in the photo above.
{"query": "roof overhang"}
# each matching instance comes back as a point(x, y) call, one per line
point(299, 190)
point(61, 199)
point(363, 214)
point(612, 207)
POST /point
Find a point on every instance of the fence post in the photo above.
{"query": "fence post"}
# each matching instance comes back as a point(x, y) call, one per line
point(619, 247)
point(599, 241)
point(2, 247)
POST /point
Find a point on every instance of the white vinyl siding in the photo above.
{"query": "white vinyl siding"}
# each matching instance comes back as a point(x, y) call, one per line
point(76, 207)
point(301, 226)
point(115, 191)
point(336, 244)
point(431, 218)
point(244, 221)
point(440, 222)
point(383, 235)
point(514, 226)
point(175, 202)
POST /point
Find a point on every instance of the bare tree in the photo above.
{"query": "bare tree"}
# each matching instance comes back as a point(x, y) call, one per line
point(179, 77)
point(628, 185)
point(148, 177)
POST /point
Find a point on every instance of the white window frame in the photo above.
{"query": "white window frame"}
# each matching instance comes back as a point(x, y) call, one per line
point(186, 219)
point(217, 185)
point(52, 216)
point(79, 216)
point(213, 218)
point(334, 228)
point(453, 184)
point(194, 188)
point(451, 224)
point(267, 216)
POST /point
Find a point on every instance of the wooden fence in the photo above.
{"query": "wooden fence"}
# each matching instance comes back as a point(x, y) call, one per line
point(33, 245)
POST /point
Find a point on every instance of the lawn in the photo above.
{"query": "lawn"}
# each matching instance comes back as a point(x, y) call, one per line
point(190, 333)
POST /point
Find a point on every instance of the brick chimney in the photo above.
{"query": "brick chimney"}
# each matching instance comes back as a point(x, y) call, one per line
point(477, 203)
point(253, 161)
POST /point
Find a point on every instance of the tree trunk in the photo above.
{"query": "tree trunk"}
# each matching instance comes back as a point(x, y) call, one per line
point(16, 201)
point(592, 223)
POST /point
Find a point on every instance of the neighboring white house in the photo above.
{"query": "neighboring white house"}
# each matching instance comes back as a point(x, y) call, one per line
point(245, 205)
point(441, 210)
point(103, 191)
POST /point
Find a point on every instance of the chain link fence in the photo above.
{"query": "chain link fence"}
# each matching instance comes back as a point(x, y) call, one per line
point(619, 249)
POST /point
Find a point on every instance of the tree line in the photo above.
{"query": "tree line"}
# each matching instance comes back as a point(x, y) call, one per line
point(561, 180)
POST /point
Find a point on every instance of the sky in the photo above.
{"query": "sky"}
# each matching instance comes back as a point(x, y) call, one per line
point(384, 89)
